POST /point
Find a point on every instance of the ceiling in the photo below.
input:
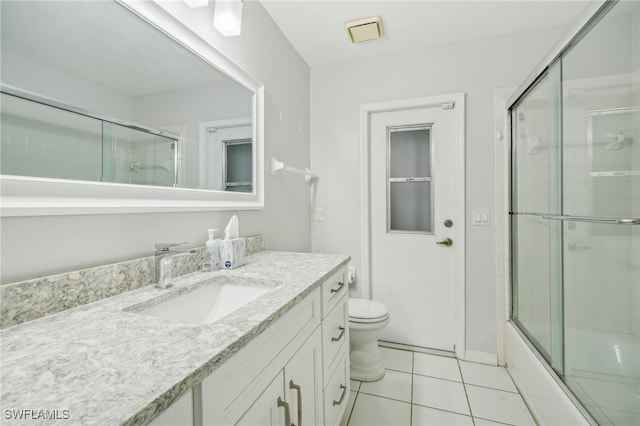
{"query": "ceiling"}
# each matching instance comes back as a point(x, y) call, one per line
point(316, 28)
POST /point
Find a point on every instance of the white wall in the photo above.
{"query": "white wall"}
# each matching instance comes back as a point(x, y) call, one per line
point(41, 78)
point(45, 245)
point(190, 107)
point(476, 68)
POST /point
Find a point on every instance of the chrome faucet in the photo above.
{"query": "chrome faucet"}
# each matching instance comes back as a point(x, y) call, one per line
point(165, 253)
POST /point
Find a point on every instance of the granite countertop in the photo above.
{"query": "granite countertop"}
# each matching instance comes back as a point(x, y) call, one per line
point(103, 364)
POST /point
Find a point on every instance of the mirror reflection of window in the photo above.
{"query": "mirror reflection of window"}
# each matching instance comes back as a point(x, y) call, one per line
point(227, 155)
point(237, 165)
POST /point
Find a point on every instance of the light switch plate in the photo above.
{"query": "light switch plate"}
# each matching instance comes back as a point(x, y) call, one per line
point(319, 214)
point(480, 217)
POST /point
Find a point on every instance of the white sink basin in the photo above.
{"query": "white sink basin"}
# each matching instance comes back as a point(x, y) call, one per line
point(207, 303)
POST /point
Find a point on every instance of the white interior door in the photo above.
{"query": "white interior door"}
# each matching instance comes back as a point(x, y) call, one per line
point(412, 199)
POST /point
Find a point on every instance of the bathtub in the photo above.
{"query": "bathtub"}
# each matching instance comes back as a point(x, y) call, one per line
point(607, 353)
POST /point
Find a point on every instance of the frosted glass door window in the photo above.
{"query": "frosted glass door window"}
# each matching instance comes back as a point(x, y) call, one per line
point(238, 165)
point(409, 180)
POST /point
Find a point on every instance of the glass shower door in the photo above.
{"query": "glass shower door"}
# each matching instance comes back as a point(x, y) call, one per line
point(536, 243)
point(575, 200)
point(601, 178)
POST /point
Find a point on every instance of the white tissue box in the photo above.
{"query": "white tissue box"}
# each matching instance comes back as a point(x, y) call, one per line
point(231, 253)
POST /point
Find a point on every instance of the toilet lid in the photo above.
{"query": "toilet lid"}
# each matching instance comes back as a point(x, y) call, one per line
point(366, 309)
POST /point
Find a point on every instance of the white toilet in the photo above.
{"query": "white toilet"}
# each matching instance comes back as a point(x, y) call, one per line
point(367, 320)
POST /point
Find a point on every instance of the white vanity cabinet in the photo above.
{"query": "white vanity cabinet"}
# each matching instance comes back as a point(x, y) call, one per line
point(303, 382)
point(178, 413)
point(296, 372)
point(277, 375)
point(335, 346)
point(294, 396)
point(267, 410)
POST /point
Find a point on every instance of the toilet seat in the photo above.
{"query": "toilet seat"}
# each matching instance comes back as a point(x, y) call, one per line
point(367, 311)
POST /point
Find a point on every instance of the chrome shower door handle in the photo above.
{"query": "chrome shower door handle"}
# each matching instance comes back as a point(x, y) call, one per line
point(298, 389)
point(446, 242)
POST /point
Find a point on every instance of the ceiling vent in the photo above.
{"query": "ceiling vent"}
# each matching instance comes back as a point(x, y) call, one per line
point(365, 29)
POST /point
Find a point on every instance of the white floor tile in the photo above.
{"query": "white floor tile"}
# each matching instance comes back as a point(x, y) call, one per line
point(347, 411)
point(436, 366)
point(487, 375)
point(423, 416)
point(372, 410)
point(484, 422)
point(355, 385)
point(394, 385)
point(440, 394)
point(497, 405)
point(395, 359)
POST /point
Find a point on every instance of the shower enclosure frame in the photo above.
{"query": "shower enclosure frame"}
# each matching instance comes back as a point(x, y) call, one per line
point(176, 142)
point(508, 330)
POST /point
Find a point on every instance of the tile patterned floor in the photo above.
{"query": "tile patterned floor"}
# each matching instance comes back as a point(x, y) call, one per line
point(421, 389)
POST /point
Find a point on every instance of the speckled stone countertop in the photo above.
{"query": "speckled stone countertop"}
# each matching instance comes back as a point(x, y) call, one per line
point(102, 364)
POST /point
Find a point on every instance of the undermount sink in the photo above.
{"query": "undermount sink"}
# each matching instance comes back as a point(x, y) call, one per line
point(206, 303)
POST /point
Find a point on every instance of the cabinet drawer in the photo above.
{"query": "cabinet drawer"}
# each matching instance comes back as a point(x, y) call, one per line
point(335, 335)
point(337, 392)
point(332, 291)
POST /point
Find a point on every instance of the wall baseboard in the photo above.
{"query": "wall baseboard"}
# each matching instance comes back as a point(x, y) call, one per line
point(481, 357)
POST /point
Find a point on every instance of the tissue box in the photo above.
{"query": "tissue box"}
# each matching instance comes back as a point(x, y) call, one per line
point(231, 253)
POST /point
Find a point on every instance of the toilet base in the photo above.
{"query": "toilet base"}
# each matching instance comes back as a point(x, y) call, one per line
point(365, 362)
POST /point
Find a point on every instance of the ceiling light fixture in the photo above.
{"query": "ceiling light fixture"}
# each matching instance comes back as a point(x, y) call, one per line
point(227, 17)
point(365, 29)
point(196, 3)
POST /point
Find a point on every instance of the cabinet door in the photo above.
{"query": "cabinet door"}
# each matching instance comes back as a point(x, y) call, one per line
point(269, 409)
point(303, 382)
point(178, 413)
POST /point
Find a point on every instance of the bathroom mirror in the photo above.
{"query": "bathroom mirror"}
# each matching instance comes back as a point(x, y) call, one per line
point(118, 107)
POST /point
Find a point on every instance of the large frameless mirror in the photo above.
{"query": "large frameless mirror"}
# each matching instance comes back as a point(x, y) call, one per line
point(117, 100)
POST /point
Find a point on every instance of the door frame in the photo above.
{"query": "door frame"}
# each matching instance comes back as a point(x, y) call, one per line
point(205, 149)
point(366, 110)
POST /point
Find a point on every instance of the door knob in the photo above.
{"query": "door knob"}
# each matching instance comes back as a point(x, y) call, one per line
point(446, 242)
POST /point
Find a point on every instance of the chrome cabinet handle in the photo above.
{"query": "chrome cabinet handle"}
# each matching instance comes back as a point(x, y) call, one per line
point(298, 389)
point(287, 411)
point(446, 242)
point(335, 339)
point(340, 285)
point(344, 392)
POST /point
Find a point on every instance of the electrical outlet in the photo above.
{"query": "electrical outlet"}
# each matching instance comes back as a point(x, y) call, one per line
point(352, 277)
